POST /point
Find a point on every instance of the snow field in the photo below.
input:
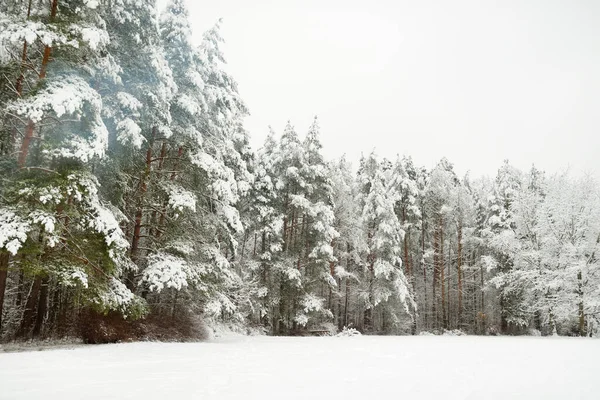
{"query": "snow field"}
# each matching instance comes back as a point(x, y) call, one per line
point(426, 367)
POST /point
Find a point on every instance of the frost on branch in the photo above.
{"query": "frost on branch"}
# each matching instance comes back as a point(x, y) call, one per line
point(221, 304)
point(66, 96)
point(13, 230)
point(98, 217)
point(70, 97)
point(124, 109)
point(130, 133)
point(14, 32)
point(115, 296)
point(47, 222)
point(311, 305)
point(180, 199)
point(70, 275)
point(165, 271)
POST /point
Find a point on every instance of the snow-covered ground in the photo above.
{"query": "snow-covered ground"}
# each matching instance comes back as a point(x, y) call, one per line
point(371, 368)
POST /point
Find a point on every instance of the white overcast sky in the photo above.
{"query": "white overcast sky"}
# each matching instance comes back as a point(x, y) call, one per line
point(475, 81)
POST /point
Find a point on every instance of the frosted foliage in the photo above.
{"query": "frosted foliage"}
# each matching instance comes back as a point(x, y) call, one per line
point(128, 102)
point(14, 32)
point(223, 188)
point(91, 3)
point(98, 217)
point(342, 273)
point(70, 276)
point(293, 275)
point(188, 104)
point(184, 247)
point(489, 263)
point(47, 222)
point(180, 199)
point(231, 216)
point(165, 271)
point(219, 305)
point(132, 11)
point(70, 96)
point(82, 149)
point(83, 192)
point(94, 37)
point(383, 269)
point(13, 230)
point(301, 319)
point(108, 68)
point(50, 195)
point(117, 297)
point(310, 303)
point(66, 96)
point(130, 133)
point(164, 92)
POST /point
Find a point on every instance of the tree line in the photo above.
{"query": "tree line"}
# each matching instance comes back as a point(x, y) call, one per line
point(129, 189)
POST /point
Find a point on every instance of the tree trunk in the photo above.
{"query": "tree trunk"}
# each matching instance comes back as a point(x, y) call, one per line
point(346, 300)
point(175, 298)
point(55, 308)
point(20, 283)
point(459, 274)
point(137, 230)
point(503, 320)
point(424, 267)
point(436, 272)
point(42, 307)
point(21, 78)
point(29, 314)
point(29, 129)
point(285, 224)
point(483, 316)
point(406, 260)
point(580, 305)
point(161, 161)
point(442, 277)
point(139, 215)
point(4, 258)
point(347, 297)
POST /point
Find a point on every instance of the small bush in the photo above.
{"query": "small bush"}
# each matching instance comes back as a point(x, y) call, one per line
point(349, 332)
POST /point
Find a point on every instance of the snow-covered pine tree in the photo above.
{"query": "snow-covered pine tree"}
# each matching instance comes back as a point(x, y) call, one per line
point(387, 294)
point(67, 238)
point(350, 245)
point(501, 239)
point(315, 219)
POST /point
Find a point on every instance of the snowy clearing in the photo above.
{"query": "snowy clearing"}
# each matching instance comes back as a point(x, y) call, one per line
point(264, 368)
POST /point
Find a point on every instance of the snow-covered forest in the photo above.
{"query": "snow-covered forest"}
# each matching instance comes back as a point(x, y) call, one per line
point(130, 197)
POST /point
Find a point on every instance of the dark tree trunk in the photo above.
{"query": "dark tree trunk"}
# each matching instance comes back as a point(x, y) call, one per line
point(20, 284)
point(424, 269)
point(459, 273)
point(30, 128)
point(54, 308)
point(436, 272)
point(29, 314)
point(442, 276)
point(139, 214)
point(42, 307)
point(4, 258)
point(580, 305)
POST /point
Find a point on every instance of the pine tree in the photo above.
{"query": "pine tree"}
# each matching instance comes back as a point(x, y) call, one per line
point(387, 292)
